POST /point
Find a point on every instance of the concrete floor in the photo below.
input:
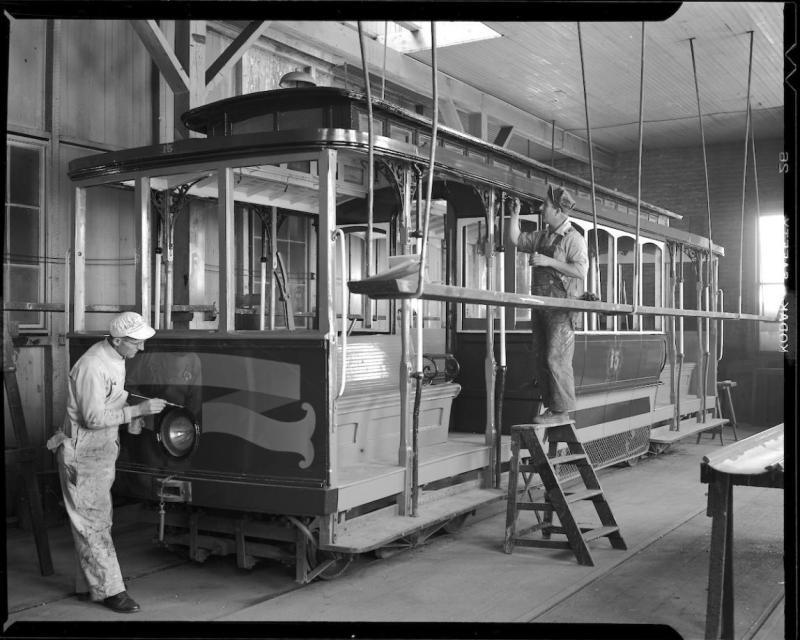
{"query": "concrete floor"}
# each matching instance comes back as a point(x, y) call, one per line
point(458, 578)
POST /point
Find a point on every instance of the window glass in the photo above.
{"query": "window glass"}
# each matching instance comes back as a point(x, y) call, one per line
point(472, 241)
point(652, 285)
point(771, 266)
point(625, 261)
point(24, 175)
point(300, 119)
point(23, 249)
point(604, 266)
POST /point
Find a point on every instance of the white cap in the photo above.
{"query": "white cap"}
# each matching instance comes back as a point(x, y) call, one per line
point(130, 324)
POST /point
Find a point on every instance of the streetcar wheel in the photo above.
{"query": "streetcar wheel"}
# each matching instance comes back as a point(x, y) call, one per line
point(338, 563)
point(632, 462)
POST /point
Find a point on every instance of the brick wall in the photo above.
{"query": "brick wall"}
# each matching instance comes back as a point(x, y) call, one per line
point(674, 179)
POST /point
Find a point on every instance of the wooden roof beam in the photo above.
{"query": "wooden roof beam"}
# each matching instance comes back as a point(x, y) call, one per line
point(162, 54)
point(235, 50)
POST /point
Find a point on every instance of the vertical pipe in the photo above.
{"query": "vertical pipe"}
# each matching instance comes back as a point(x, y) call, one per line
point(79, 287)
point(501, 383)
point(143, 272)
point(67, 296)
point(491, 437)
point(385, 45)
point(637, 253)
point(405, 452)
point(705, 159)
point(434, 131)
point(758, 206)
point(370, 152)
point(744, 170)
point(325, 307)
point(169, 290)
point(273, 257)
point(262, 288)
point(227, 261)
point(589, 142)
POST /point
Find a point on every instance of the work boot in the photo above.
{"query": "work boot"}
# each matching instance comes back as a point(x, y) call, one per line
point(551, 417)
point(121, 603)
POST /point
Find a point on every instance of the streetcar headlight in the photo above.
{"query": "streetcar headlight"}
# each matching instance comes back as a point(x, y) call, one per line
point(178, 433)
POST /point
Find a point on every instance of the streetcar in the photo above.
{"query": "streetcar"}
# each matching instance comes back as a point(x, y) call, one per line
point(329, 338)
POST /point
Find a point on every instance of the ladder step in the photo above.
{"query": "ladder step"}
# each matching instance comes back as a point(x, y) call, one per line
point(548, 544)
point(586, 494)
point(568, 458)
point(527, 468)
point(600, 532)
point(535, 506)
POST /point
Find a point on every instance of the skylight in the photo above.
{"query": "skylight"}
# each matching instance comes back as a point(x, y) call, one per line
point(408, 37)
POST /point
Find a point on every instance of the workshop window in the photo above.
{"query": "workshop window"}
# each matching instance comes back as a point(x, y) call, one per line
point(23, 253)
point(771, 285)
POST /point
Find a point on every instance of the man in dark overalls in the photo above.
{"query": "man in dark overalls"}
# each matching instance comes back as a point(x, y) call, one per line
point(559, 259)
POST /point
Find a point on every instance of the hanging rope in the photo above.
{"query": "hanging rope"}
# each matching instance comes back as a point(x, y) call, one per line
point(370, 151)
point(703, 144)
point(434, 130)
point(744, 172)
point(591, 164)
point(639, 183)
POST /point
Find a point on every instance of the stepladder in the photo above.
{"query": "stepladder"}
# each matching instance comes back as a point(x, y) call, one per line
point(563, 448)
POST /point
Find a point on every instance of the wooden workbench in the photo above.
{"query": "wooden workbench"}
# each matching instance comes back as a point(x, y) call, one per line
point(756, 461)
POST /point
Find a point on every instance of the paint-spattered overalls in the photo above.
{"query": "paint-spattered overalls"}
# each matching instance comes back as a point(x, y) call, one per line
point(553, 329)
point(86, 449)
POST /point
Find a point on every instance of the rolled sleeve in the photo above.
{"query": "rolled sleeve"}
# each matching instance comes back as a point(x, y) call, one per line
point(577, 254)
point(527, 241)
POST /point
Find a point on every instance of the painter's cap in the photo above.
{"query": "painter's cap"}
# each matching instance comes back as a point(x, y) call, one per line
point(560, 197)
point(130, 324)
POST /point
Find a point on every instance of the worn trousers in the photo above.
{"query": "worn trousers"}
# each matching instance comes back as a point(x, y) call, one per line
point(553, 348)
point(86, 466)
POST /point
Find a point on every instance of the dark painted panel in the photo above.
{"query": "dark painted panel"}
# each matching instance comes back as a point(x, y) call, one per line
point(261, 405)
point(236, 496)
point(602, 363)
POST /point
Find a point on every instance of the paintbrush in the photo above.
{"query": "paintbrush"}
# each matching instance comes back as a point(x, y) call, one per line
point(171, 404)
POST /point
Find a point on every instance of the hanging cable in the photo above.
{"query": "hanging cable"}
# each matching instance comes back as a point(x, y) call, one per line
point(367, 303)
point(758, 200)
point(383, 74)
point(370, 149)
point(591, 164)
point(636, 252)
point(429, 192)
point(744, 171)
point(703, 144)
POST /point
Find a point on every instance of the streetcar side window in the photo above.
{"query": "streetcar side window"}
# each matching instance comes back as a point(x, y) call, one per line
point(625, 270)
point(358, 306)
point(521, 272)
point(652, 284)
point(602, 266)
point(472, 273)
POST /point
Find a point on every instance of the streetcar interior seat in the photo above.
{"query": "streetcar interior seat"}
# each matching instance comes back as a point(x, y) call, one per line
point(368, 413)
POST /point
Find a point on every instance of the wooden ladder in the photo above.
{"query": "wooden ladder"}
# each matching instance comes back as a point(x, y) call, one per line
point(24, 455)
point(556, 498)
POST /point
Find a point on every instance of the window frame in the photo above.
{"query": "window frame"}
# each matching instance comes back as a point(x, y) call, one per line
point(41, 326)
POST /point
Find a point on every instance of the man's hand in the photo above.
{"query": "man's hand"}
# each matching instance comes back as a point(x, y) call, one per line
point(152, 406)
point(541, 260)
point(148, 407)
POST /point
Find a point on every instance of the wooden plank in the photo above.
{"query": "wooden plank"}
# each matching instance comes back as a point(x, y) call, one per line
point(688, 427)
point(162, 54)
point(235, 51)
point(369, 532)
